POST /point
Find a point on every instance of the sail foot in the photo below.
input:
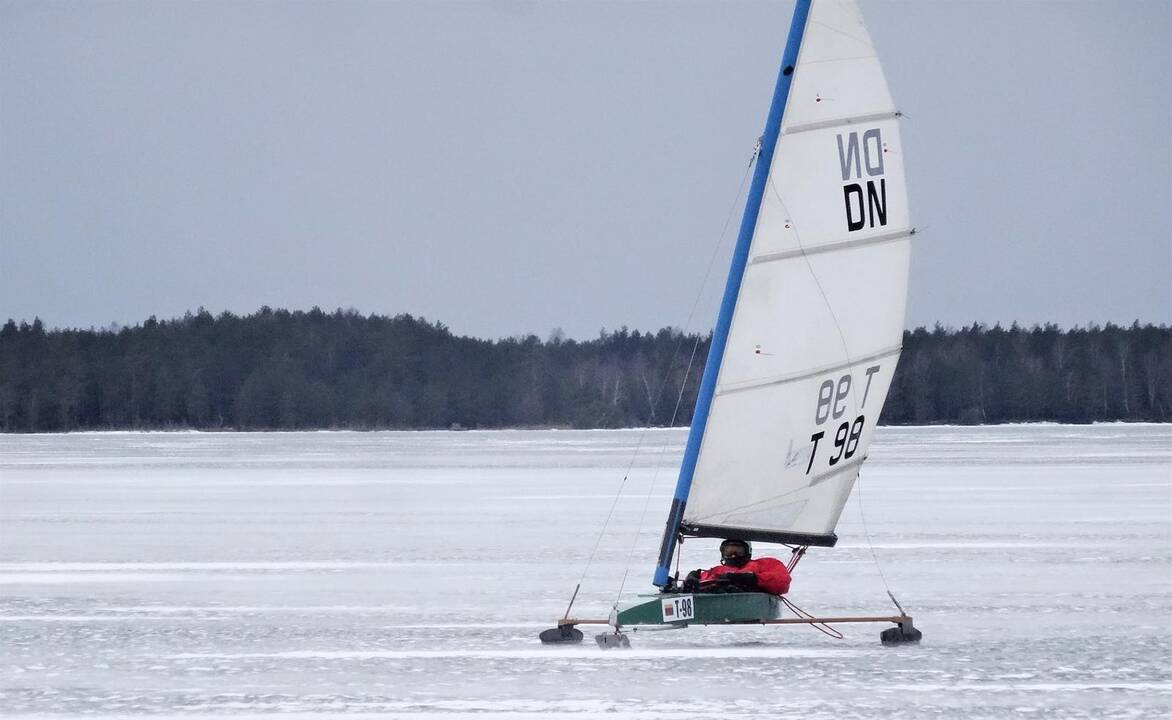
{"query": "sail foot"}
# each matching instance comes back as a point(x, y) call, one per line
point(758, 535)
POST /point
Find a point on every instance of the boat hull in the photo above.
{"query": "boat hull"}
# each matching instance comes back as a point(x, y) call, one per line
point(681, 610)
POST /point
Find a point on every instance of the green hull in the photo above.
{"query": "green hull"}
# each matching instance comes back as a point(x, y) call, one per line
point(714, 609)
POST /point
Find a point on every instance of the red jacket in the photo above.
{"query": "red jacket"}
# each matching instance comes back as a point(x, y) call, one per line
point(772, 577)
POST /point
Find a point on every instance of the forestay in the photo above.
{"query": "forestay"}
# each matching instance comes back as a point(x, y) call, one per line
point(817, 325)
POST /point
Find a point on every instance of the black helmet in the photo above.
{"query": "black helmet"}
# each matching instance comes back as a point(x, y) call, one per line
point(735, 552)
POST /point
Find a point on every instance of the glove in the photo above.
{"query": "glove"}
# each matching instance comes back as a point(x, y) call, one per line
point(748, 579)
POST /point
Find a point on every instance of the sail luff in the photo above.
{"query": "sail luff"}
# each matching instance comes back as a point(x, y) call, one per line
point(732, 289)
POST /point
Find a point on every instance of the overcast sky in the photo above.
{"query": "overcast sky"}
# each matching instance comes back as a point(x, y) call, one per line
point(511, 167)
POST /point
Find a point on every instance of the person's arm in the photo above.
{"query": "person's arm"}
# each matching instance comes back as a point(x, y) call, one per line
point(772, 577)
point(711, 573)
point(746, 577)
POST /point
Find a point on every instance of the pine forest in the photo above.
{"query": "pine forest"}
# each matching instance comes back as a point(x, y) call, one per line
point(282, 370)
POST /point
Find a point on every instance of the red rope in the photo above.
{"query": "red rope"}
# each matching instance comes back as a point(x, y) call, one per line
point(819, 626)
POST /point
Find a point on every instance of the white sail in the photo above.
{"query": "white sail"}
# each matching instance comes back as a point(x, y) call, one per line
point(817, 326)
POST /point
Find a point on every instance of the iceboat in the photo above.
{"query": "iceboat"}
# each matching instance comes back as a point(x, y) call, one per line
point(808, 333)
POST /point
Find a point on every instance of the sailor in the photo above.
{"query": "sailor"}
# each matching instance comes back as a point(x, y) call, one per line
point(739, 572)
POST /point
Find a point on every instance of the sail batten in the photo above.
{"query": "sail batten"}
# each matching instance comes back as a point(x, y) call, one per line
point(750, 385)
point(838, 122)
point(832, 246)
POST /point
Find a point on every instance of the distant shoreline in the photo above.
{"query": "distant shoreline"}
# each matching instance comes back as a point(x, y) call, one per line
point(678, 429)
point(281, 370)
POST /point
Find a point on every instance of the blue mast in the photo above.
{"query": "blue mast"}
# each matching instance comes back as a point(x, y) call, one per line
point(731, 289)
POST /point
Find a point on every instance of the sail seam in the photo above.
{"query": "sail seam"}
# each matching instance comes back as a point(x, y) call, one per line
point(828, 61)
point(784, 379)
point(832, 246)
point(866, 40)
point(819, 479)
point(816, 480)
point(839, 122)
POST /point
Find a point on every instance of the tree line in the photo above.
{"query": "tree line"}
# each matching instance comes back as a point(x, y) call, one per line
point(277, 369)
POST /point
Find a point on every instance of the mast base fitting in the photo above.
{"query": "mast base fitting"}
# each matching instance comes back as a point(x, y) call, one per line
point(616, 639)
point(561, 635)
point(903, 633)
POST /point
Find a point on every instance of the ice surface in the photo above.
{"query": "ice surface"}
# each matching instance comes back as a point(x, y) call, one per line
point(407, 574)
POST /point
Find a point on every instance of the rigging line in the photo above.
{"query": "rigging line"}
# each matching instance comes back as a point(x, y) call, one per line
point(674, 413)
point(723, 234)
point(819, 626)
point(692, 358)
point(671, 364)
point(618, 495)
point(870, 545)
point(655, 476)
point(854, 401)
point(821, 291)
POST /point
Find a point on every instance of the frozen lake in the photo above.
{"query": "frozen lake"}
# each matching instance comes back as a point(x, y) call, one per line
point(407, 574)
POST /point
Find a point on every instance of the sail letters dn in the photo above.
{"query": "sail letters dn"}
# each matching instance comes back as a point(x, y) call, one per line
point(866, 204)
